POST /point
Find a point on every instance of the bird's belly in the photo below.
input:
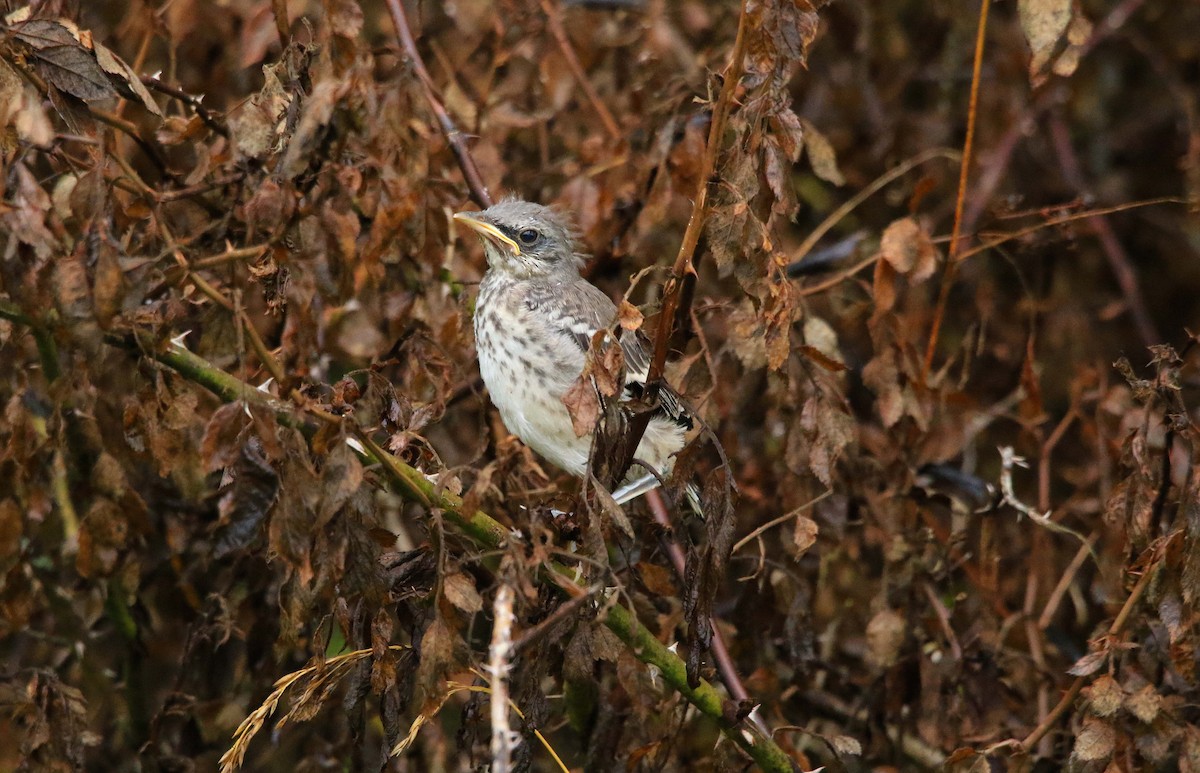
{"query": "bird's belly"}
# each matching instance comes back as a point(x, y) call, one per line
point(530, 403)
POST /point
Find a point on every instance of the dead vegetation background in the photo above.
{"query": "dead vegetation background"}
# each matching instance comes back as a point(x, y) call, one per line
point(201, 196)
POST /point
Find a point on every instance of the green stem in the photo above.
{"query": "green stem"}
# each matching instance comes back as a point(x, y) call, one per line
point(47, 350)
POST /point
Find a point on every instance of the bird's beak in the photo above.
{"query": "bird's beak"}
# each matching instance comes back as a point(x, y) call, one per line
point(487, 230)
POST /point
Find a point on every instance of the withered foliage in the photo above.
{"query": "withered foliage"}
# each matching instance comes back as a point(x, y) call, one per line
point(268, 185)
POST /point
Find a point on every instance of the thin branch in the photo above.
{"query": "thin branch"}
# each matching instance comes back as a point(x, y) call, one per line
point(776, 521)
point(554, 21)
point(282, 25)
point(455, 138)
point(1069, 698)
point(684, 261)
point(951, 270)
point(1118, 258)
point(876, 185)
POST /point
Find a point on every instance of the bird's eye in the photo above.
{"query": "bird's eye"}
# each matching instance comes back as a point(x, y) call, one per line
point(528, 236)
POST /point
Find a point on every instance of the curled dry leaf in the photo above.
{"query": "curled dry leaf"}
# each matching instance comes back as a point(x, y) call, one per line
point(885, 636)
point(1043, 22)
point(460, 591)
point(906, 246)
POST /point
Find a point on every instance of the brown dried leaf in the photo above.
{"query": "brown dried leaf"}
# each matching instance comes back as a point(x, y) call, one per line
point(884, 287)
point(245, 503)
point(1043, 22)
point(1145, 704)
point(611, 509)
point(439, 652)
point(629, 316)
point(804, 535)
point(345, 18)
point(1106, 695)
point(583, 404)
point(21, 108)
point(460, 591)
point(1089, 663)
point(909, 249)
point(659, 580)
point(255, 125)
point(817, 356)
point(1095, 741)
point(220, 448)
point(128, 82)
point(831, 430)
point(821, 155)
point(846, 745)
point(60, 58)
point(881, 376)
point(108, 286)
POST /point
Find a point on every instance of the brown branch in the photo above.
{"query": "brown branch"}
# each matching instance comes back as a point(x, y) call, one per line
point(684, 266)
point(1118, 259)
point(200, 188)
point(951, 269)
point(455, 138)
point(282, 25)
point(554, 21)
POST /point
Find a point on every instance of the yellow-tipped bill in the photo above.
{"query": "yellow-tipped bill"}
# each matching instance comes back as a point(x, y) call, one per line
point(488, 230)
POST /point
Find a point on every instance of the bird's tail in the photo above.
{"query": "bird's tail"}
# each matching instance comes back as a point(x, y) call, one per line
point(638, 486)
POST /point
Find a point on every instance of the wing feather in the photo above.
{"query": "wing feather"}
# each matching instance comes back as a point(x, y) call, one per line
point(587, 309)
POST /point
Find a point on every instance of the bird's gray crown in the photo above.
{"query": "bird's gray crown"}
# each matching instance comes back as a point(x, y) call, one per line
point(525, 240)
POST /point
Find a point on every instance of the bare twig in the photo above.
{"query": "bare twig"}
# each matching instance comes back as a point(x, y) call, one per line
point(1118, 259)
point(951, 269)
point(554, 21)
point(776, 521)
point(1069, 698)
point(499, 665)
point(456, 139)
point(192, 101)
point(878, 184)
point(282, 25)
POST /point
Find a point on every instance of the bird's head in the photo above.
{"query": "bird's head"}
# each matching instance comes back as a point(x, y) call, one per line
point(525, 240)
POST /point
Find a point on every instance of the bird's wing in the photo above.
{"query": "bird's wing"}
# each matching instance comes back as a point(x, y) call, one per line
point(587, 309)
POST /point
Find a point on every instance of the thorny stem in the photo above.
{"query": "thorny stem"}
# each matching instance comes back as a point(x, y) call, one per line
point(192, 101)
point(454, 137)
point(952, 256)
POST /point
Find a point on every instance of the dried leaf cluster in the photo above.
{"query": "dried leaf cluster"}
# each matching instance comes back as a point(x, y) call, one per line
point(248, 469)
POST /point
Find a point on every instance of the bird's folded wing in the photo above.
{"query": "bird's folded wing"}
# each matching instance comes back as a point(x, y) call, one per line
point(587, 309)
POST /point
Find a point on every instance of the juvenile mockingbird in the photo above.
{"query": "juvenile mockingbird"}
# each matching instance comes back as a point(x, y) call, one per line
point(534, 321)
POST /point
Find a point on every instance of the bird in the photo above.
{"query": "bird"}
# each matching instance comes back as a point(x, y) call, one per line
point(535, 316)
